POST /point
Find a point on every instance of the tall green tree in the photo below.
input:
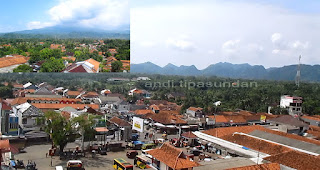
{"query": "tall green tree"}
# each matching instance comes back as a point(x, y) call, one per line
point(84, 124)
point(116, 66)
point(60, 129)
point(52, 65)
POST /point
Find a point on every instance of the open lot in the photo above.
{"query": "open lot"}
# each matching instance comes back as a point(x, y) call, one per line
point(37, 153)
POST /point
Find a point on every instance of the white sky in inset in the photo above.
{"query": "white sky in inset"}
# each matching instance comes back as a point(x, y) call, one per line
point(204, 32)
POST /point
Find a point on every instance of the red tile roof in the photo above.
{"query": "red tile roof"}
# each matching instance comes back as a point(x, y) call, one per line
point(172, 157)
point(219, 132)
point(188, 135)
point(5, 106)
point(267, 166)
point(112, 50)
point(69, 58)
point(74, 68)
point(59, 106)
point(195, 108)
point(166, 118)
point(143, 112)
point(256, 144)
point(297, 160)
point(236, 119)
point(20, 100)
point(245, 113)
point(219, 118)
point(5, 145)
point(311, 118)
point(91, 94)
point(154, 107)
point(95, 63)
point(73, 93)
point(314, 130)
point(119, 122)
point(14, 60)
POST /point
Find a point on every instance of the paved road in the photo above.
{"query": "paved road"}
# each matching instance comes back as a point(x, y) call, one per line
point(37, 153)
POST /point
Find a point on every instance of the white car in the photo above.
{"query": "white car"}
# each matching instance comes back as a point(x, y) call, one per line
point(59, 168)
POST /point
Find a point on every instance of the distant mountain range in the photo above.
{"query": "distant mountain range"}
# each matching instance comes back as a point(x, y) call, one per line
point(62, 32)
point(244, 71)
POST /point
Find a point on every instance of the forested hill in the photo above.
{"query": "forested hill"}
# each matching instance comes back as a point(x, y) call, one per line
point(70, 32)
point(308, 72)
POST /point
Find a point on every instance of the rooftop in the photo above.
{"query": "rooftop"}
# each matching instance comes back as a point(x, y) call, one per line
point(195, 108)
point(172, 157)
point(13, 60)
point(288, 120)
point(119, 122)
point(59, 106)
point(142, 112)
point(297, 160)
point(268, 166)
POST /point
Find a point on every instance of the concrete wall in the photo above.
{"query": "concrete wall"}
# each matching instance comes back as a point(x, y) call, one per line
point(8, 69)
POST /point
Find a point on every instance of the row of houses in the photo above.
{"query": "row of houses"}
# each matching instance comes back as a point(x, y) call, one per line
point(9, 62)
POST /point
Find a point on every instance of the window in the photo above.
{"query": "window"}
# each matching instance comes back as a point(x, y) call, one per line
point(24, 121)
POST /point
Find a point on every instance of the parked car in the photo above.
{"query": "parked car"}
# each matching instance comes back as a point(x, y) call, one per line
point(74, 165)
point(135, 137)
point(148, 146)
point(132, 154)
point(59, 168)
point(195, 152)
point(102, 151)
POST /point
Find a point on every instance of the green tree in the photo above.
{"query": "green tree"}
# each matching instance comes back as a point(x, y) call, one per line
point(52, 65)
point(60, 129)
point(84, 124)
point(23, 68)
point(6, 92)
point(116, 66)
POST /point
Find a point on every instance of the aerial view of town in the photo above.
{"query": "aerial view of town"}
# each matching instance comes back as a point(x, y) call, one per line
point(65, 56)
point(139, 121)
point(90, 37)
point(189, 85)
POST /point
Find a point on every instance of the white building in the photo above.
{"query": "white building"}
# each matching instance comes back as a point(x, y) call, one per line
point(292, 103)
point(27, 116)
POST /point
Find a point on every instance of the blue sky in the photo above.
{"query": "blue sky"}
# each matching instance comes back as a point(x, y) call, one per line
point(271, 33)
point(19, 15)
point(15, 14)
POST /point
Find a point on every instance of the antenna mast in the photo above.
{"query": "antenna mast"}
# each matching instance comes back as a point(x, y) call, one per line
point(298, 76)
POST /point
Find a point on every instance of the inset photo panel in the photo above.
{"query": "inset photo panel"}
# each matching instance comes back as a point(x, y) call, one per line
point(65, 36)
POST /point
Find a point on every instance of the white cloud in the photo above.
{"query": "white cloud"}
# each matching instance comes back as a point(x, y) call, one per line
point(283, 46)
point(182, 45)
point(300, 45)
point(231, 46)
point(276, 37)
point(38, 24)
point(102, 14)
